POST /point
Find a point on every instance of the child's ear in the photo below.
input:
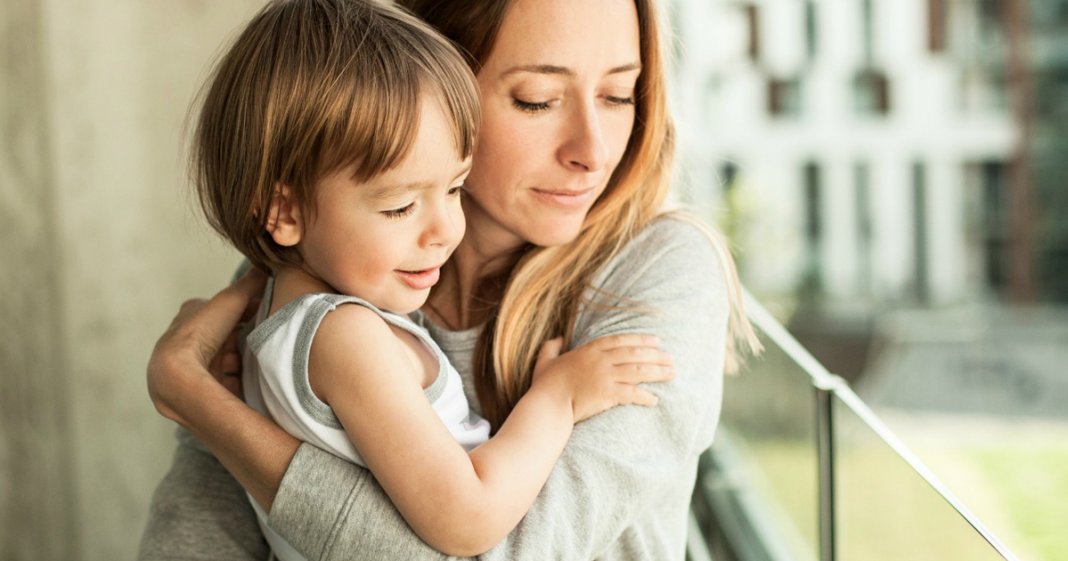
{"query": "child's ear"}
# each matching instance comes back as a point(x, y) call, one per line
point(284, 221)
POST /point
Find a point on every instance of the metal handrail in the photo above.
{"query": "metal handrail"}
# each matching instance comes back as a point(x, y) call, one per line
point(824, 381)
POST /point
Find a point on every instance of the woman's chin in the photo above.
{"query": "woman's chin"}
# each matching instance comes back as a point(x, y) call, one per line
point(554, 234)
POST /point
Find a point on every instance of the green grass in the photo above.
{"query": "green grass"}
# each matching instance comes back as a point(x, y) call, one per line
point(1031, 482)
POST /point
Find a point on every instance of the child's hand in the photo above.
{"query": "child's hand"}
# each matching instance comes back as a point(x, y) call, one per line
point(603, 373)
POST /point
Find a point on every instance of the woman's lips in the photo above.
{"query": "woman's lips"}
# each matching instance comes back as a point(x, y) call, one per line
point(420, 280)
point(564, 199)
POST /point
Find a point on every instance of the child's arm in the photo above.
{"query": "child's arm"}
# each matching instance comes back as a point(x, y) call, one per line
point(460, 503)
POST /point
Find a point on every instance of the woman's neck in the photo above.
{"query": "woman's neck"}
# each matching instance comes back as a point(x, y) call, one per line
point(456, 302)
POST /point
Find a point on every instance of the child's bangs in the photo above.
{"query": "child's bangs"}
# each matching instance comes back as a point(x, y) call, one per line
point(377, 117)
point(452, 81)
point(375, 123)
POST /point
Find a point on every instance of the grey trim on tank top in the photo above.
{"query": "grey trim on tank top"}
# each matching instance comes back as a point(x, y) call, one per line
point(317, 310)
point(311, 404)
point(263, 331)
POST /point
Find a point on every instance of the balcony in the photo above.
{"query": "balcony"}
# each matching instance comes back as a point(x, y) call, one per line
point(812, 473)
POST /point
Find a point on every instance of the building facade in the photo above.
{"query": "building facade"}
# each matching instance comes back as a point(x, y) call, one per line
point(861, 149)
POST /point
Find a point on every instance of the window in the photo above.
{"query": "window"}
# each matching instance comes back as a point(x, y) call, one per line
point(812, 183)
point(752, 21)
point(871, 92)
point(865, 231)
point(1061, 17)
point(936, 25)
point(728, 174)
point(867, 30)
point(994, 222)
point(987, 183)
point(919, 240)
point(990, 13)
point(784, 97)
point(811, 30)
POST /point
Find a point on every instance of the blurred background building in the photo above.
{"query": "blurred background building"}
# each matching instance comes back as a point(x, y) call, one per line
point(891, 174)
point(883, 142)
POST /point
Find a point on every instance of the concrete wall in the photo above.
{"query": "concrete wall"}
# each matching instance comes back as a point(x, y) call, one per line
point(100, 245)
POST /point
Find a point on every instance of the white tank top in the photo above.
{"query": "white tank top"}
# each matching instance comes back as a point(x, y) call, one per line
point(275, 380)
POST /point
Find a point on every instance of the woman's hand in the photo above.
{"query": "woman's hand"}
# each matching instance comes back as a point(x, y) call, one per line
point(604, 373)
point(201, 345)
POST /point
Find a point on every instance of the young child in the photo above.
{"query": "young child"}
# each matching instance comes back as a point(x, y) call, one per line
point(331, 149)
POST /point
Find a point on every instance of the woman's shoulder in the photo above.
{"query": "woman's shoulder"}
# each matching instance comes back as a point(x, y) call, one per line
point(672, 243)
point(670, 273)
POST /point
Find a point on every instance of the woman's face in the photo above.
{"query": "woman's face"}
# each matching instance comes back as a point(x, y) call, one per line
point(558, 108)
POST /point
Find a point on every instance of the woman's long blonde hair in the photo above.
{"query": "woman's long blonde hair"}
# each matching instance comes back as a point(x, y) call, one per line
point(542, 295)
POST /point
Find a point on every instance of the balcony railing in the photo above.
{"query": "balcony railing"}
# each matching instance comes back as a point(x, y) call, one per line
point(802, 469)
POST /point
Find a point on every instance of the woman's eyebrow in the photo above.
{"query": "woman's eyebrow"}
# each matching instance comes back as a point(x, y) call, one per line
point(625, 68)
point(539, 69)
point(563, 70)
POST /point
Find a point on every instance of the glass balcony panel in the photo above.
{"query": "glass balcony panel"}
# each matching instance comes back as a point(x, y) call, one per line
point(886, 511)
point(767, 443)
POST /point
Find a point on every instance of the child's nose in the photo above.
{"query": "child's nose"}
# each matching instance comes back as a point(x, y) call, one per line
point(445, 227)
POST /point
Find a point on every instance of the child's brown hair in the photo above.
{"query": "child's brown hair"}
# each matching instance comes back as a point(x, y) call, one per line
point(311, 87)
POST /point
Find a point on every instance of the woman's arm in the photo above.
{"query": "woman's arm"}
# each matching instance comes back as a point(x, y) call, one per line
point(622, 485)
point(200, 512)
point(251, 447)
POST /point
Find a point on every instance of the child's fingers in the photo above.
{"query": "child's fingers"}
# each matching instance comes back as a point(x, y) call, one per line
point(637, 355)
point(610, 342)
point(635, 395)
point(551, 349)
point(645, 373)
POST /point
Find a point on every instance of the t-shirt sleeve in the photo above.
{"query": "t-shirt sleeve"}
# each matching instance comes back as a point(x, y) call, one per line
point(331, 509)
point(199, 511)
point(669, 282)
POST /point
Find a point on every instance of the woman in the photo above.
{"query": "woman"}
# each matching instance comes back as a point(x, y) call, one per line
point(564, 238)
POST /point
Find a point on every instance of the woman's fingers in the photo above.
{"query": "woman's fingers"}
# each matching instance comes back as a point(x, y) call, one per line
point(233, 385)
point(207, 328)
point(227, 361)
point(190, 347)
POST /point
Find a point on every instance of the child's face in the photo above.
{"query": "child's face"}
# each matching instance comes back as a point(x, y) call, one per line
point(385, 240)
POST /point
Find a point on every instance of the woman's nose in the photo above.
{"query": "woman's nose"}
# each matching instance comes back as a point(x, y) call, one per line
point(585, 148)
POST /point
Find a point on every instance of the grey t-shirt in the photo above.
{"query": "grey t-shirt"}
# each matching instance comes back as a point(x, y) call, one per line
point(620, 490)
